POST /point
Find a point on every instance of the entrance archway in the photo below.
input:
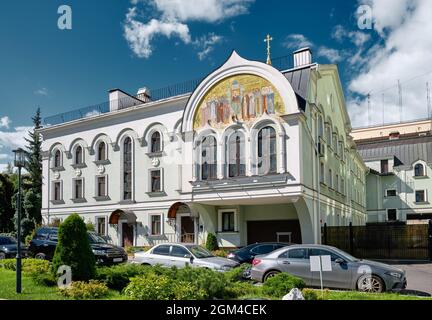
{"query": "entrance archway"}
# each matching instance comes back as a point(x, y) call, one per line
point(184, 217)
point(125, 222)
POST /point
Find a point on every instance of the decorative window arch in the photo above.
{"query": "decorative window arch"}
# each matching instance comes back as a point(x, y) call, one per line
point(78, 155)
point(57, 158)
point(235, 154)
point(102, 151)
point(267, 151)
point(155, 142)
point(208, 163)
point(320, 126)
point(419, 170)
point(127, 168)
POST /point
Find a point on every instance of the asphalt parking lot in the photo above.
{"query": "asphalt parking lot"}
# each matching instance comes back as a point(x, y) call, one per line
point(419, 276)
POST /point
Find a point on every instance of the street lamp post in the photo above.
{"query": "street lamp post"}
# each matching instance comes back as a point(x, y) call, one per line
point(19, 162)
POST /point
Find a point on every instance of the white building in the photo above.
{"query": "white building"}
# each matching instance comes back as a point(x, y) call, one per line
point(235, 158)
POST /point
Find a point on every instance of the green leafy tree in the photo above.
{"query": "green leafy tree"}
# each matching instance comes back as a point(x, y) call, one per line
point(73, 249)
point(34, 168)
point(211, 243)
point(6, 207)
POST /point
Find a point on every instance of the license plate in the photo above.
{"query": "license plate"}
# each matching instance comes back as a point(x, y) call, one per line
point(117, 259)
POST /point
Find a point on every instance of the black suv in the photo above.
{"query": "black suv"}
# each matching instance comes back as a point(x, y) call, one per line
point(8, 247)
point(43, 245)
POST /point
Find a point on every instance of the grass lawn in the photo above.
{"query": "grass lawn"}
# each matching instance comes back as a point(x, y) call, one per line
point(32, 291)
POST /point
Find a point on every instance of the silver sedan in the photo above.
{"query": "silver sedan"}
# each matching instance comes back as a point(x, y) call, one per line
point(347, 272)
point(180, 255)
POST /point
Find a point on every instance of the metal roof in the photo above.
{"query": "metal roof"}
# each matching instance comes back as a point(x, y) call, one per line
point(405, 150)
point(299, 80)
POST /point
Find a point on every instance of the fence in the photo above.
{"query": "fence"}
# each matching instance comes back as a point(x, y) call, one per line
point(399, 242)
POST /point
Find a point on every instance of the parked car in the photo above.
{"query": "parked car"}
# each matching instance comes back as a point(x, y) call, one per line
point(43, 245)
point(347, 272)
point(180, 255)
point(247, 254)
point(9, 247)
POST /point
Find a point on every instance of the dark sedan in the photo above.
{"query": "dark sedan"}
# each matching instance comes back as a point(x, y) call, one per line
point(248, 253)
point(8, 247)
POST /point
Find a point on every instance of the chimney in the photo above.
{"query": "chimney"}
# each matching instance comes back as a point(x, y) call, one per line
point(302, 57)
point(144, 94)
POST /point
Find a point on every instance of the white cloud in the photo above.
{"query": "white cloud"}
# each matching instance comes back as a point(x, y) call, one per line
point(5, 122)
point(171, 21)
point(3, 167)
point(206, 44)
point(358, 38)
point(404, 55)
point(4, 156)
point(41, 92)
point(296, 41)
point(332, 55)
point(14, 139)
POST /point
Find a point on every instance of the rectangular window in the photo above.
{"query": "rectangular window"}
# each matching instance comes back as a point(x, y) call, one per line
point(322, 173)
point(57, 191)
point(156, 225)
point(101, 225)
point(337, 183)
point(101, 186)
point(228, 222)
point(384, 166)
point(78, 189)
point(391, 193)
point(330, 178)
point(420, 196)
point(391, 214)
point(342, 186)
point(155, 181)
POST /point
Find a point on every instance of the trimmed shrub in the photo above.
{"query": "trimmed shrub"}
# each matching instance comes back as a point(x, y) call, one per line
point(309, 294)
point(281, 284)
point(81, 290)
point(241, 288)
point(211, 243)
point(154, 287)
point(73, 249)
point(118, 277)
point(44, 279)
point(28, 265)
point(236, 274)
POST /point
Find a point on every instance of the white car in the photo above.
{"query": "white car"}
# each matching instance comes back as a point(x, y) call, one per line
point(181, 255)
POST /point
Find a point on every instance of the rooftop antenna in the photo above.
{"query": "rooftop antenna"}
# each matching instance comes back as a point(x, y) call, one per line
point(400, 100)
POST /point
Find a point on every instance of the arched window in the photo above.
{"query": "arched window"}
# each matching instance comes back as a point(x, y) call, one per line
point(320, 126)
point(127, 169)
point(102, 151)
point(57, 159)
point(208, 158)
point(236, 155)
point(156, 142)
point(79, 159)
point(267, 156)
point(419, 170)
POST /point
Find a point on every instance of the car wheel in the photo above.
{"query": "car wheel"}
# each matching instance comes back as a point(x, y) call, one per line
point(40, 256)
point(2, 255)
point(370, 283)
point(270, 274)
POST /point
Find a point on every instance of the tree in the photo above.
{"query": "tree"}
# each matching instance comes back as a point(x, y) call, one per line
point(34, 168)
point(211, 243)
point(6, 207)
point(73, 249)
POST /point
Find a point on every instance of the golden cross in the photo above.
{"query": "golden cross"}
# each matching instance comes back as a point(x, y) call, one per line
point(268, 39)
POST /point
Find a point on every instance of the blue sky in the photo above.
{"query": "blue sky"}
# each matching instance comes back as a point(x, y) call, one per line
point(155, 43)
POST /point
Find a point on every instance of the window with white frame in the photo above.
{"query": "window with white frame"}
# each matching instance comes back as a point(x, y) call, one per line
point(322, 172)
point(127, 169)
point(391, 214)
point(330, 178)
point(57, 191)
point(208, 158)
point(78, 188)
point(236, 155)
point(156, 183)
point(419, 170)
point(342, 186)
point(57, 159)
point(101, 186)
point(79, 155)
point(267, 153)
point(320, 126)
point(329, 135)
point(227, 220)
point(155, 224)
point(155, 142)
point(337, 183)
point(102, 151)
point(101, 226)
point(420, 196)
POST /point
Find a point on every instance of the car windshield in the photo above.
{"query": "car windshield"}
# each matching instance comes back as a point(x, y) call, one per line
point(95, 238)
point(7, 240)
point(200, 252)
